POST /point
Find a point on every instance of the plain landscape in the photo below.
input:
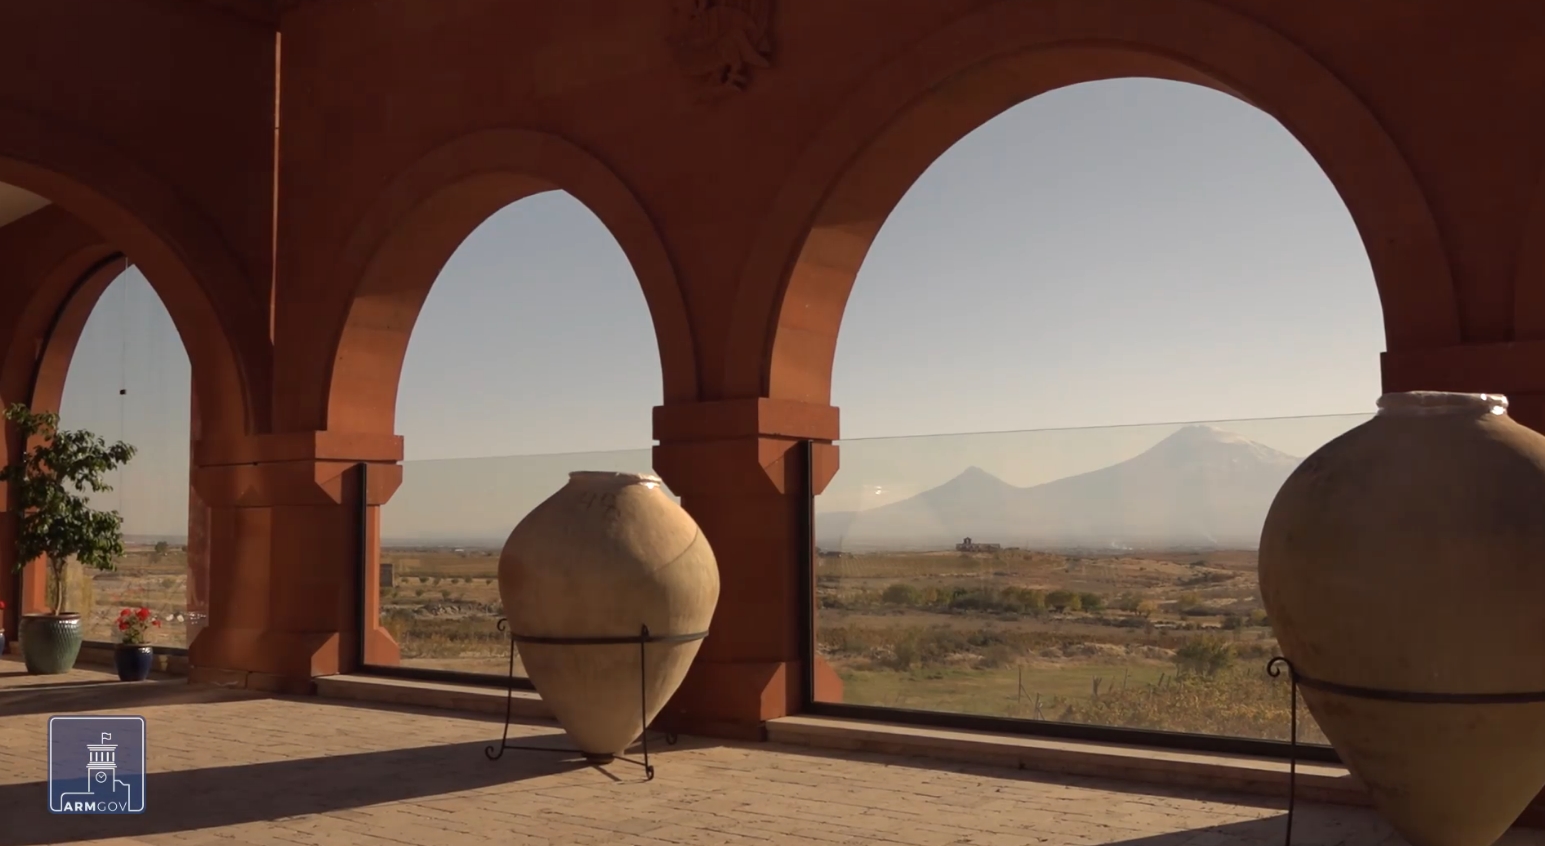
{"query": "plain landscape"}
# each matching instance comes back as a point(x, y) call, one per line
point(1122, 597)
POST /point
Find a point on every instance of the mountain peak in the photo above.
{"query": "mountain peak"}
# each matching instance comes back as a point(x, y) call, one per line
point(1201, 433)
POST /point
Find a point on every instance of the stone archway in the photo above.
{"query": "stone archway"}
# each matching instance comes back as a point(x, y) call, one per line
point(221, 322)
point(104, 204)
point(795, 283)
point(398, 249)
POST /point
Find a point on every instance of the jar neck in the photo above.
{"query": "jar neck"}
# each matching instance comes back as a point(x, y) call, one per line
point(608, 479)
point(1430, 403)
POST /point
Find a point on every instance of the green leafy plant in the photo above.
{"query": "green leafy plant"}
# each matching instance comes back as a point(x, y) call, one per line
point(58, 470)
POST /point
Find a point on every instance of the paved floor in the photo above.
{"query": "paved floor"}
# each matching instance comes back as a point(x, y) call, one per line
point(229, 768)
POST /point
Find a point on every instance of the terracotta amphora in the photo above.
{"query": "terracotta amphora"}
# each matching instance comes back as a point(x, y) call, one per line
point(1406, 559)
point(607, 554)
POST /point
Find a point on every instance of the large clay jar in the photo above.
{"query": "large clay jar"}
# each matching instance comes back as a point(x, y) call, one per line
point(605, 555)
point(1408, 555)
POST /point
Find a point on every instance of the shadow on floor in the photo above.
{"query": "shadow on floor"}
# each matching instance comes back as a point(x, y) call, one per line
point(189, 800)
point(1137, 788)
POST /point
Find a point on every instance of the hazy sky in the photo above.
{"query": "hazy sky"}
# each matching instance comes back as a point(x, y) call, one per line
point(1115, 253)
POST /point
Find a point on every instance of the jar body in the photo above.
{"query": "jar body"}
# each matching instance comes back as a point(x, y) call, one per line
point(1408, 555)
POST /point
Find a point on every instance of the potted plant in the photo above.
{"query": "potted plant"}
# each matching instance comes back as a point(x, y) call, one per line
point(133, 656)
point(49, 485)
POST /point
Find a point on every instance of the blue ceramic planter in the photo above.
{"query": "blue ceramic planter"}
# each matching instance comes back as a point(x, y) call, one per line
point(133, 661)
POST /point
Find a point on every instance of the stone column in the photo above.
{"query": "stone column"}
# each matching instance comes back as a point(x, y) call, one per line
point(738, 470)
point(284, 545)
point(197, 600)
point(1514, 369)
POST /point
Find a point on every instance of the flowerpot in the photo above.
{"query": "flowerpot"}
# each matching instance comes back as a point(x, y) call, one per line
point(607, 554)
point(133, 661)
point(50, 643)
point(1405, 556)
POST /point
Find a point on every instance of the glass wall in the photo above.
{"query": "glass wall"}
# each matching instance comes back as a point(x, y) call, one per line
point(129, 380)
point(1102, 576)
point(441, 535)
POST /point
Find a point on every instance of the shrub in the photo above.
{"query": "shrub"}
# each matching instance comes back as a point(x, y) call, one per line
point(1205, 656)
point(902, 594)
point(1091, 601)
point(1064, 600)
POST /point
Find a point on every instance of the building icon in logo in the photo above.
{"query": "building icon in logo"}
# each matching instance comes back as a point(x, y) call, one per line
point(106, 788)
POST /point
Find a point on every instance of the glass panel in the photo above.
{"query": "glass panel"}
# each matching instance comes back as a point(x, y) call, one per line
point(1100, 576)
point(441, 535)
point(129, 380)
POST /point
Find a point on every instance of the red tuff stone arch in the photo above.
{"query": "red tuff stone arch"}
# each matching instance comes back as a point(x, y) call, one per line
point(402, 243)
point(808, 250)
point(69, 320)
point(221, 323)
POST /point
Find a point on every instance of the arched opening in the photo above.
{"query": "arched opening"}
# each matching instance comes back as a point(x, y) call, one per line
point(1038, 572)
point(431, 597)
point(529, 360)
point(1064, 282)
point(128, 380)
point(63, 244)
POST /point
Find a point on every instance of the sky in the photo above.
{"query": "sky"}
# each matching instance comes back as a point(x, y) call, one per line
point(1115, 254)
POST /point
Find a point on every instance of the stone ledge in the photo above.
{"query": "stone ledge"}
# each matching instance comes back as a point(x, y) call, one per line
point(1236, 773)
point(524, 704)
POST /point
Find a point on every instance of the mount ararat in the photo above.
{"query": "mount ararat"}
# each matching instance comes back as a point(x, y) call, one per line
point(1199, 487)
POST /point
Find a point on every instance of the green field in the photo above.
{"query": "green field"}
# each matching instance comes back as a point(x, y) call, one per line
point(1171, 641)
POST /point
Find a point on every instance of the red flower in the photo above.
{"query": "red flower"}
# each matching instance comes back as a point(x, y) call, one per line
point(144, 614)
point(122, 625)
point(155, 622)
point(2, 606)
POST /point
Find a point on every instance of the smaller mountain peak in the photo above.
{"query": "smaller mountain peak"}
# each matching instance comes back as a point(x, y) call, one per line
point(975, 477)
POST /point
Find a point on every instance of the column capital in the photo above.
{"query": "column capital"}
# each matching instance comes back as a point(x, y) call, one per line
point(324, 445)
point(740, 418)
point(264, 484)
point(1516, 367)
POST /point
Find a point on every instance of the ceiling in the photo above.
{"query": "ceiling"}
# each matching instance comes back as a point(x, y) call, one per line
point(16, 203)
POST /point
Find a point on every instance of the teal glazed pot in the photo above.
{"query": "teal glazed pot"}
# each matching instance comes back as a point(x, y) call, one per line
point(50, 644)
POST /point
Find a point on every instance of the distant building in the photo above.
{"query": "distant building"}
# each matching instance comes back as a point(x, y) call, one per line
point(969, 545)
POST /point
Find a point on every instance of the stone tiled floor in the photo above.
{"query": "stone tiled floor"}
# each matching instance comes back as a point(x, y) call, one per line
point(229, 768)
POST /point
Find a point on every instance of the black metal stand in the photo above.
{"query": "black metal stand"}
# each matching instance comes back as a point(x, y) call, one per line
point(643, 637)
point(1297, 679)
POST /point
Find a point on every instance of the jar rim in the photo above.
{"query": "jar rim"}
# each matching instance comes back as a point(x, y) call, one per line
point(1441, 402)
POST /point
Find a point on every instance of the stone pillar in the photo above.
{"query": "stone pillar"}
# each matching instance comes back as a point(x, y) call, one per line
point(284, 546)
point(738, 470)
point(1514, 369)
point(197, 600)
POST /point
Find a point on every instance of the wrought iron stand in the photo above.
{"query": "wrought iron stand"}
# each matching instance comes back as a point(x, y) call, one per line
point(1296, 679)
point(643, 638)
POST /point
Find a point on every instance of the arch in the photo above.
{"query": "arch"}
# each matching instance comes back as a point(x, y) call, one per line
point(221, 323)
point(796, 280)
point(399, 247)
